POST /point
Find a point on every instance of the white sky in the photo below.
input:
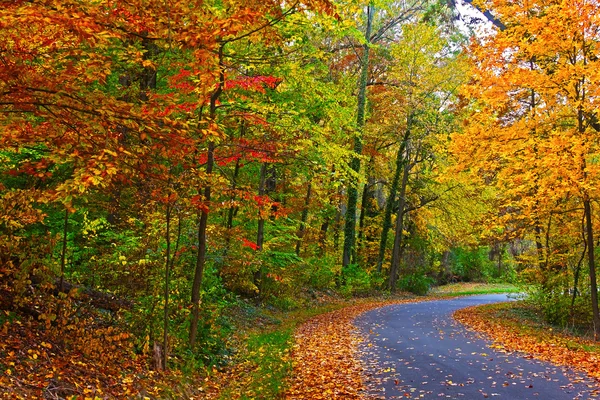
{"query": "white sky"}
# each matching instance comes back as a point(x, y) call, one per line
point(472, 21)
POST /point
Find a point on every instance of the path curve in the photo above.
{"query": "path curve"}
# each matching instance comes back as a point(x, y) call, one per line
point(418, 351)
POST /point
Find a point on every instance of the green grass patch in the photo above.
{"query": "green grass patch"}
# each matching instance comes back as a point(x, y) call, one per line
point(270, 358)
point(470, 288)
point(264, 362)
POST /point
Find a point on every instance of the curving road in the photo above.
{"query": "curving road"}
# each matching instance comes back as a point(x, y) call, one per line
point(418, 351)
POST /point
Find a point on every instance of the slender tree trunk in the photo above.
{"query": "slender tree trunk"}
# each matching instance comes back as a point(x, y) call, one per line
point(337, 227)
point(364, 205)
point(231, 210)
point(592, 265)
point(63, 255)
point(303, 219)
point(260, 232)
point(323, 235)
point(389, 205)
point(587, 206)
point(350, 221)
point(236, 173)
point(323, 231)
point(210, 162)
point(578, 267)
point(538, 244)
point(398, 248)
point(165, 352)
point(500, 251)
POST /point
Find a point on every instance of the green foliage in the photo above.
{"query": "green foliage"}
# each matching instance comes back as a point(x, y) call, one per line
point(472, 264)
point(357, 281)
point(416, 282)
point(555, 306)
point(320, 272)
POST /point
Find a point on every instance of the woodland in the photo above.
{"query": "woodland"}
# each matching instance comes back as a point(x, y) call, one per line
point(169, 167)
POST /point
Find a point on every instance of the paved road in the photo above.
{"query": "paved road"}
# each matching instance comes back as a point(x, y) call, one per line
point(418, 351)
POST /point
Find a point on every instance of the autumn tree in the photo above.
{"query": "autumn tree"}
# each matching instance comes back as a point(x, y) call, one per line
point(380, 26)
point(533, 127)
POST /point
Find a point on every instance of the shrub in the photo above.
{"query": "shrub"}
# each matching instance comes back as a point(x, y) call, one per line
point(555, 305)
point(355, 281)
point(417, 283)
point(472, 264)
point(320, 272)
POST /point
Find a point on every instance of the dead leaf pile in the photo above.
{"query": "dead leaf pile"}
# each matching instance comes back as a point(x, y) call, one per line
point(512, 334)
point(325, 356)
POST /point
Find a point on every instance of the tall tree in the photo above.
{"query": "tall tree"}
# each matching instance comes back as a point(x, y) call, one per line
point(381, 26)
point(533, 93)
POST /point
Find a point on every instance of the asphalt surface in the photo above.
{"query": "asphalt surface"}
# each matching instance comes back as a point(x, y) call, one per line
point(418, 351)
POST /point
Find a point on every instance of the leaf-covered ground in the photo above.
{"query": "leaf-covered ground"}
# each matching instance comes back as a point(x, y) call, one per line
point(325, 360)
point(39, 360)
point(509, 326)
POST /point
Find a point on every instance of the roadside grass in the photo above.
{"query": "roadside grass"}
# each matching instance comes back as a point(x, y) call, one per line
point(472, 288)
point(263, 366)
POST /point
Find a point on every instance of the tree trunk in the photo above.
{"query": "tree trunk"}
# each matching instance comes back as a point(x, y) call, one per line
point(538, 245)
point(165, 352)
point(398, 248)
point(364, 205)
point(231, 211)
point(260, 232)
point(587, 206)
point(236, 172)
point(63, 255)
point(201, 258)
point(337, 222)
point(323, 235)
point(303, 218)
point(578, 267)
point(389, 205)
point(350, 222)
point(592, 265)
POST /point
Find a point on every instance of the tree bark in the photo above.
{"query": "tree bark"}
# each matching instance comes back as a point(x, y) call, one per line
point(165, 352)
point(350, 220)
point(201, 258)
point(63, 255)
point(578, 267)
point(398, 248)
point(303, 218)
point(260, 232)
point(236, 172)
point(364, 205)
point(389, 206)
point(592, 266)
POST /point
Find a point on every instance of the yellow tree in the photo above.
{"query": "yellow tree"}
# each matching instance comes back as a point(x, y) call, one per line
point(533, 127)
point(411, 111)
